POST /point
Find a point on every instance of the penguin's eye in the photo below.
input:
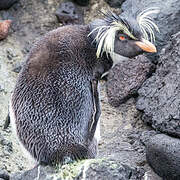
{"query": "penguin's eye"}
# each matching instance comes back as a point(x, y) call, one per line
point(122, 38)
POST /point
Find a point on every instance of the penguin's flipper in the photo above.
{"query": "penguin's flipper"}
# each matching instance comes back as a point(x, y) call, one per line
point(97, 109)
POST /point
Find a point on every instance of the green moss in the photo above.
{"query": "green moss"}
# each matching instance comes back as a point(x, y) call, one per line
point(72, 170)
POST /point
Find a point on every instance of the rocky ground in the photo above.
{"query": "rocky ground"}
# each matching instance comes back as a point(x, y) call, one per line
point(122, 129)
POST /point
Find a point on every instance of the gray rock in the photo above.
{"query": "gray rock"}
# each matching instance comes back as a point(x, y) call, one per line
point(159, 96)
point(10, 54)
point(44, 173)
point(2, 140)
point(1, 89)
point(107, 169)
point(126, 78)
point(163, 155)
point(146, 135)
point(167, 19)
point(97, 169)
point(17, 67)
point(69, 13)
point(115, 3)
point(4, 175)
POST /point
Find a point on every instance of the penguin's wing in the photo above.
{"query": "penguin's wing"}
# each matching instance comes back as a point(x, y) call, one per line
point(97, 110)
point(102, 66)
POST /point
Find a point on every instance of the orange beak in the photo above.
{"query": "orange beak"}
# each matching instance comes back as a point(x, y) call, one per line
point(146, 46)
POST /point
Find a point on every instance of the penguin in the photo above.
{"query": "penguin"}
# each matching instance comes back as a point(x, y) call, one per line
point(55, 107)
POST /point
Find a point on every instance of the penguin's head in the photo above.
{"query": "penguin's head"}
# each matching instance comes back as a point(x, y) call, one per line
point(123, 34)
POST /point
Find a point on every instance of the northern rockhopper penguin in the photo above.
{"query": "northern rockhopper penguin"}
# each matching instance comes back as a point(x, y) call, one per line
point(55, 105)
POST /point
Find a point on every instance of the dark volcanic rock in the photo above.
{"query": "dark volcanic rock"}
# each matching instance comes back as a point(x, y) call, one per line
point(159, 96)
point(90, 169)
point(126, 78)
point(167, 19)
point(82, 2)
point(5, 4)
point(163, 155)
point(44, 173)
point(109, 169)
point(68, 13)
point(115, 3)
point(146, 135)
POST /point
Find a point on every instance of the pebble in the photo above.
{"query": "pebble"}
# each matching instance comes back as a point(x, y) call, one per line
point(4, 28)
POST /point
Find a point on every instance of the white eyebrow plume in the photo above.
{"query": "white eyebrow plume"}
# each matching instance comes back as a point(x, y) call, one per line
point(146, 23)
point(105, 34)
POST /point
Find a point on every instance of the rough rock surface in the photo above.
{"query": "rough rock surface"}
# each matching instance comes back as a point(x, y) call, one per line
point(159, 96)
point(126, 78)
point(163, 154)
point(115, 3)
point(167, 19)
point(111, 169)
point(44, 173)
point(99, 169)
point(69, 13)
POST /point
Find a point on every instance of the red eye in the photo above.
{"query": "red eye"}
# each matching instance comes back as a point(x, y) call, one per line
point(122, 38)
